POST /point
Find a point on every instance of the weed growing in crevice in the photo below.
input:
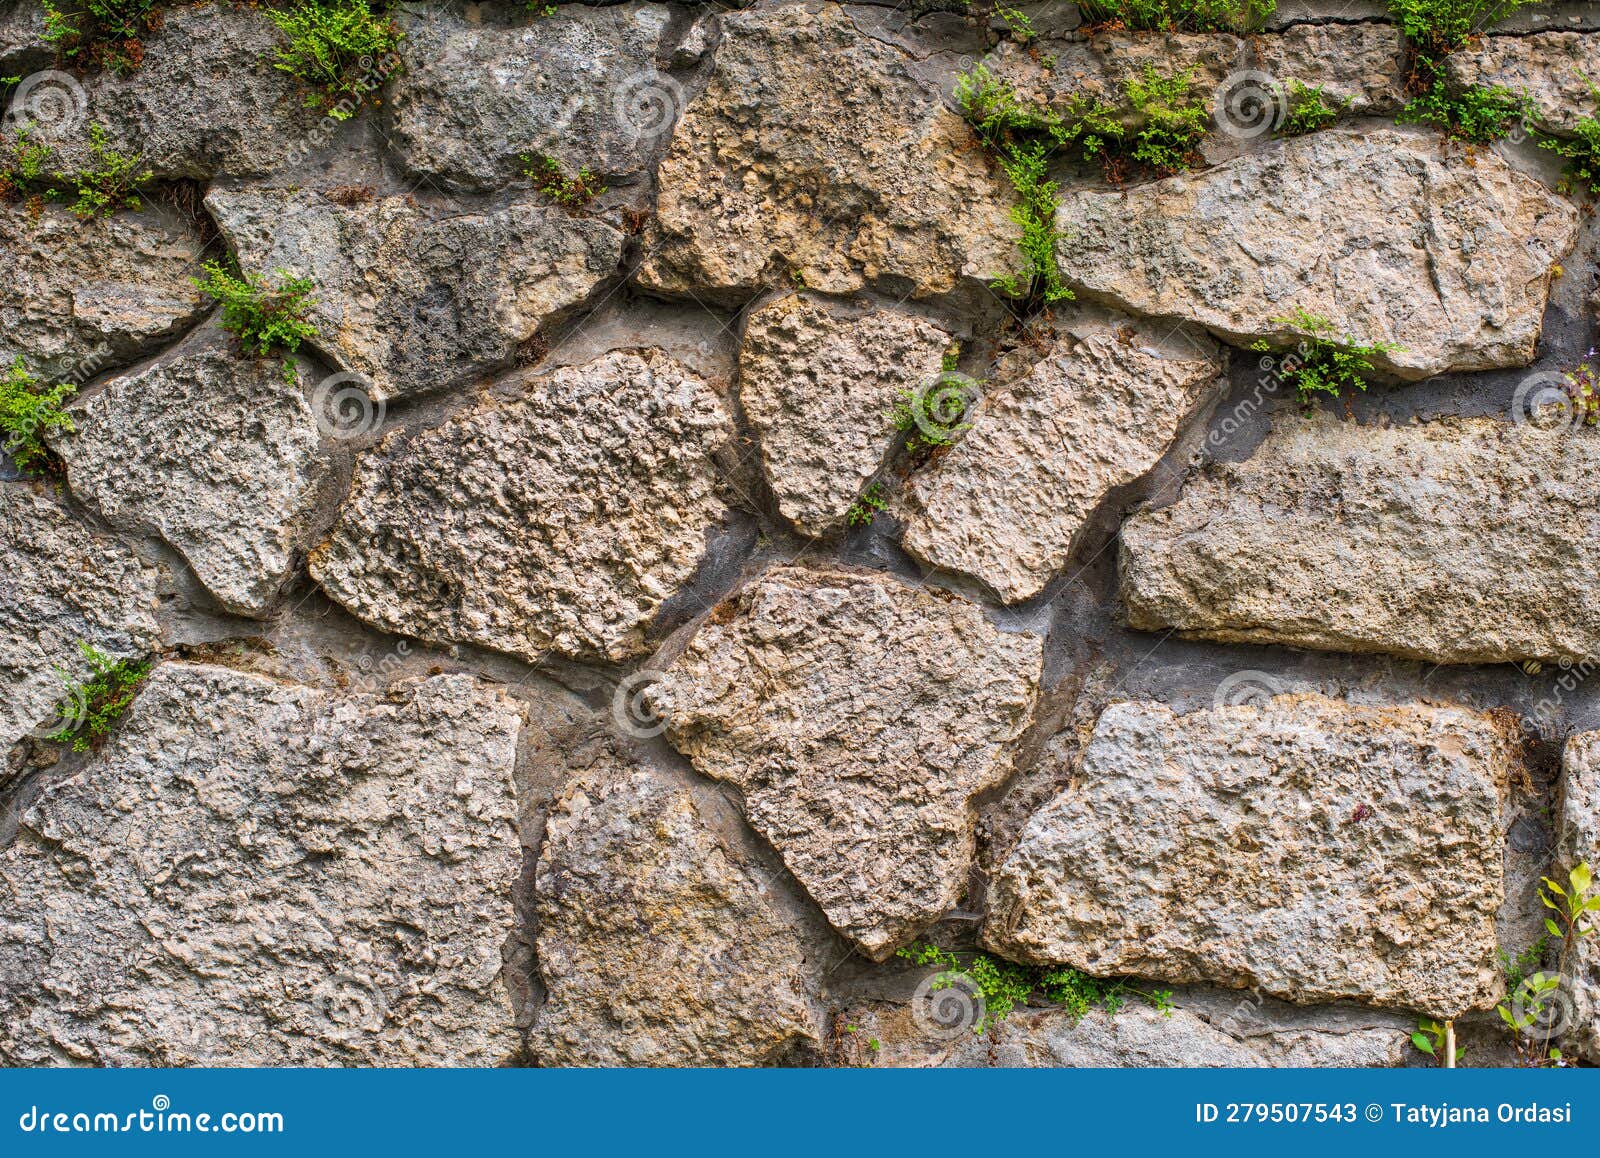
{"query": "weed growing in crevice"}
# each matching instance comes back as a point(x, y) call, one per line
point(1179, 15)
point(1480, 115)
point(333, 48)
point(1539, 1004)
point(1433, 29)
point(1581, 151)
point(1324, 363)
point(1430, 1037)
point(263, 317)
point(1436, 28)
point(931, 416)
point(866, 508)
point(105, 34)
point(1310, 110)
point(22, 163)
point(89, 707)
point(1004, 985)
point(549, 178)
point(110, 183)
point(29, 410)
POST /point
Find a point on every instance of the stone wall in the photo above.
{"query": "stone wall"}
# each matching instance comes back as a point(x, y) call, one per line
point(562, 660)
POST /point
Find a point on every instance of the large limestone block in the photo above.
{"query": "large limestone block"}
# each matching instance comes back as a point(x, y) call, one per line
point(1044, 451)
point(817, 151)
point(558, 521)
point(1363, 64)
point(1453, 541)
point(818, 381)
point(261, 873)
point(1555, 70)
point(579, 85)
point(64, 585)
point(416, 299)
point(1312, 848)
point(79, 298)
point(1388, 235)
point(657, 945)
point(1577, 1005)
point(211, 449)
point(860, 718)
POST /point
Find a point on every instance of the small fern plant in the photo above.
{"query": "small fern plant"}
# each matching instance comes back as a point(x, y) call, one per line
point(264, 317)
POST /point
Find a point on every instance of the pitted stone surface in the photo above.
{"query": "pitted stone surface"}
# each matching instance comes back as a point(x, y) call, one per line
point(1555, 70)
point(1385, 234)
point(859, 717)
point(260, 873)
point(580, 85)
point(657, 945)
point(1047, 445)
point(64, 584)
point(1453, 541)
point(211, 449)
point(1580, 844)
point(559, 521)
point(1363, 844)
point(416, 299)
point(80, 298)
point(867, 180)
point(818, 381)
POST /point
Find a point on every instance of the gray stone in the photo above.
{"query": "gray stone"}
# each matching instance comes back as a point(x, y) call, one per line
point(265, 873)
point(473, 97)
point(1555, 70)
point(867, 180)
point(1047, 445)
point(1360, 63)
point(558, 521)
point(64, 585)
point(1577, 1005)
point(1452, 541)
point(81, 297)
point(818, 380)
point(1315, 849)
point(860, 718)
point(416, 299)
point(204, 101)
point(657, 945)
point(212, 450)
point(1387, 235)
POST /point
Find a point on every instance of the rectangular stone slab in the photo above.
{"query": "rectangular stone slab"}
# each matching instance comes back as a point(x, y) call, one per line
point(1315, 849)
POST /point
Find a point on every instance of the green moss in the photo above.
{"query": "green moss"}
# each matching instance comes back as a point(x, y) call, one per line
point(91, 706)
point(29, 411)
point(333, 47)
point(264, 317)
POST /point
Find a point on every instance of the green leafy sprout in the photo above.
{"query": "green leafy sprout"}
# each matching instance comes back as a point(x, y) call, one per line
point(1180, 15)
point(866, 508)
point(1309, 110)
point(110, 182)
point(91, 706)
point(1581, 151)
point(1528, 1009)
point(100, 33)
point(333, 48)
point(1324, 364)
point(29, 411)
point(264, 317)
point(549, 178)
point(1433, 29)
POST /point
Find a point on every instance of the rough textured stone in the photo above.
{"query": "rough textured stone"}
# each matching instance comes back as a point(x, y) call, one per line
point(417, 299)
point(205, 100)
point(1136, 1036)
point(557, 521)
point(1554, 69)
point(1580, 843)
point(1454, 541)
point(657, 945)
point(473, 97)
point(80, 297)
point(1382, 233)
point(259, 873)
point(63, 584)
point(818, 381)
point(1047, 446)
point(866, 180)
point(1361, 63)
point(859, 717)
point(1100, 67)
point(211, 449)
point(1362, 844)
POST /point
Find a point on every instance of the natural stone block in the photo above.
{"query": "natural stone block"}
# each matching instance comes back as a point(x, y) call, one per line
point(1577, 1005)
point(1555, 70)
